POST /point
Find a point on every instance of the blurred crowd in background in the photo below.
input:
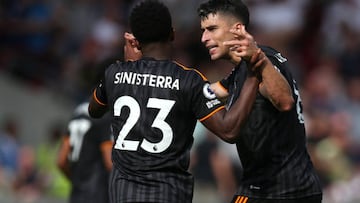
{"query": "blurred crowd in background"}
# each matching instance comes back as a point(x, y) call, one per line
point(63, 46)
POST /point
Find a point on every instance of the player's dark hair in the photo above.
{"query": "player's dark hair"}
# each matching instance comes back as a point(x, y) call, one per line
point(235, 8)
point(150, 21)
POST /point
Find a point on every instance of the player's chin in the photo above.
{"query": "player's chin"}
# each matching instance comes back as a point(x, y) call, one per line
point(215, 56)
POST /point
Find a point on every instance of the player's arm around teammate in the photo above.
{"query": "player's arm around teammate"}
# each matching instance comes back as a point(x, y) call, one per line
point(273, 85)
point(224, 123)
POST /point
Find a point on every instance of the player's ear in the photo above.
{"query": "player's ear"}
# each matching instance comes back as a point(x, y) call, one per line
point(238, 26)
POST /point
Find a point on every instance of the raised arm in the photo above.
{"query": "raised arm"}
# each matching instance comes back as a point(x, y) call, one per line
point(242, 47)
point(62, 161)
point(227, 124)
point(131, 48)
point(273, 86)
point(106, 148)
point(131, 53)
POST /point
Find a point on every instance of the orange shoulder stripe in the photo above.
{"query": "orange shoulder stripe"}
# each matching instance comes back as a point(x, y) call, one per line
point(97, 100)
point(212, 113)
point(186, 68)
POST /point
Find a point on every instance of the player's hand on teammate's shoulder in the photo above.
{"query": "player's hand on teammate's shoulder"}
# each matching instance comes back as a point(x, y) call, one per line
point(131, 48)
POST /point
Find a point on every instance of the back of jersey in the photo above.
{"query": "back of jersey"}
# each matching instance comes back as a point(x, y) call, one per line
point(155, 106)
point(89, 176)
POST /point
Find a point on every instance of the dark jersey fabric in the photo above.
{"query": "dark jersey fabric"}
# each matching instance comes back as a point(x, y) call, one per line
point(272, 147)
point(89, 176)
point(155, 106)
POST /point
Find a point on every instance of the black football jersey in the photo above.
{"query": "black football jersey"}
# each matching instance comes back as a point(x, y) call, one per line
point(272, 145)
point(155, 105)
point(89, 176)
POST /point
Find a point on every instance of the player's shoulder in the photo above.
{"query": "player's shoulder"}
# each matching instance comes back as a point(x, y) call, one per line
point(118, 66)
point(112, 67)
point(268, 49)
point(115, 64)
point(273, 53)
point(190, 70)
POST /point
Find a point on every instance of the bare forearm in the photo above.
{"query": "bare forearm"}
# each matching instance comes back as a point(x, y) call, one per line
point(62, 160)
point(237, 115)
point(227, 124)
point(275, 87)
point(106, 149)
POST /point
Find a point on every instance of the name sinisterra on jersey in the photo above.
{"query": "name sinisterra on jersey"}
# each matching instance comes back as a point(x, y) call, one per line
point(158, 81)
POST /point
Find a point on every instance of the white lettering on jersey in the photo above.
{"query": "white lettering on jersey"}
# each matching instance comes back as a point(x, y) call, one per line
point(280, 58)
point(254, 187)
point(212, 103)
point(150, 80)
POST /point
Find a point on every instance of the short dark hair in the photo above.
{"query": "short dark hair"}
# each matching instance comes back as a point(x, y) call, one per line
point(235, 8)
point(150, 21)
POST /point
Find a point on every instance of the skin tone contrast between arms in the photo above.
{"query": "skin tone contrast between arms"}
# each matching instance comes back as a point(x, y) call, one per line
point(225, 124)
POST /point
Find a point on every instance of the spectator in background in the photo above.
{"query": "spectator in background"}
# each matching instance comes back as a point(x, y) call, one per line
point(85, 156)
point(353, 107)
point(227, 169)
point(277, 22)
point(56, 185)
point(337, 25)
point(9, 148)
point(28, 184)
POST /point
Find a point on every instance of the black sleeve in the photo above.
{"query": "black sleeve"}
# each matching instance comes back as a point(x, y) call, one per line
point(203, 99)
point(103, 129)
point(279, 62)
point(100, 92)
point(227, 80)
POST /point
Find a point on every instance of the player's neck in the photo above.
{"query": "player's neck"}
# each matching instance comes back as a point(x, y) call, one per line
point(159, 51)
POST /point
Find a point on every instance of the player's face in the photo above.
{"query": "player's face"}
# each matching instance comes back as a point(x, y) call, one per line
point(215, 30)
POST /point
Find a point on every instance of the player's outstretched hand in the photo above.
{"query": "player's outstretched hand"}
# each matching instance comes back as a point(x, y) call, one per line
point(243, 45)
point(131, 48)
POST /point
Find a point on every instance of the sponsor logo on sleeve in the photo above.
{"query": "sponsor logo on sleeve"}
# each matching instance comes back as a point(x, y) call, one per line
point(212, 103)
point(280, 58)
point(208, 93)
